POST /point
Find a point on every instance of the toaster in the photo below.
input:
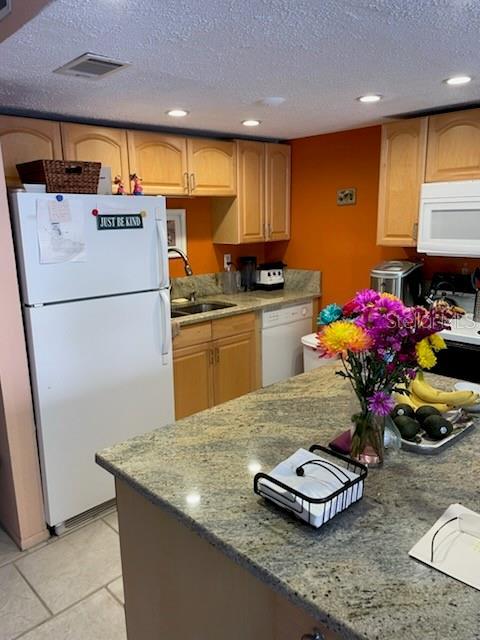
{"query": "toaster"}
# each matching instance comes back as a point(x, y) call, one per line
point(270, 276)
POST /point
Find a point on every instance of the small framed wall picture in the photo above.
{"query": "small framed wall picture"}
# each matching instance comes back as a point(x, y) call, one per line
point(177, 230)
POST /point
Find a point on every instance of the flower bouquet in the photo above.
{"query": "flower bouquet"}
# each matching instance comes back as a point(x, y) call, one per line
point(381, 344)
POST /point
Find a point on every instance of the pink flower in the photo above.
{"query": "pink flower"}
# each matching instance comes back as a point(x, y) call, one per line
point(381, 403)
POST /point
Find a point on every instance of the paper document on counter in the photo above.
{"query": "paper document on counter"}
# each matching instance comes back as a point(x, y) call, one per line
point(452, 545)
point(60, 232)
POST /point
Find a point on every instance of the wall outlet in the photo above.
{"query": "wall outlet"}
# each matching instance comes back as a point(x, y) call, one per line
point(346, 196)
point(227, 257)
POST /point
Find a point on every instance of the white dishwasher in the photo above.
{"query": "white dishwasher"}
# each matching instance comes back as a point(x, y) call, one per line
point(282, 332)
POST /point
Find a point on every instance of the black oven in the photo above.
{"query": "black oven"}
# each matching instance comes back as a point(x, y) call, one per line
point(459, 360)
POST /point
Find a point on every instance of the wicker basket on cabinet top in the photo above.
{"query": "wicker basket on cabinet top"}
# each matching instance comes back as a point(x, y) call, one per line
point(61, 176)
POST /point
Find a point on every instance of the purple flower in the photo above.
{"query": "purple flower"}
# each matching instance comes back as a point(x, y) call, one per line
point(381, 403)
point(366, 297)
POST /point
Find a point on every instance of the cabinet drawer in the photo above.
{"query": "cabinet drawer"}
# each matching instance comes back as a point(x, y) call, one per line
point(233, 325)
point(193, 334)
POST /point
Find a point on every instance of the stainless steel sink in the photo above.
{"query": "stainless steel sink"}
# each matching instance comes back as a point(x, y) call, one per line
point(200, 307)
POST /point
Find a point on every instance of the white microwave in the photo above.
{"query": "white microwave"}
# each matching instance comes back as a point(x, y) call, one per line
point(449, 221)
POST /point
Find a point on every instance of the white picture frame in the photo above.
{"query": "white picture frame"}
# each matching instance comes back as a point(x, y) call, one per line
point(177, 230)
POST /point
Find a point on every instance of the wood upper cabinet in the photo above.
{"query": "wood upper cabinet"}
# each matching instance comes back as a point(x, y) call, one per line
point(97, 144)
point(25, 140)
point(212, 167)
point(402, 170)
point(261, 210)
point(251, 190)
point(160, 160)
point(242, 219)
point(454, 146)
point(277, 191)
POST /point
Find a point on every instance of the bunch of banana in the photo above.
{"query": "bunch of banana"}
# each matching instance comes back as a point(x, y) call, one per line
point(429, 395)
point(415, 402)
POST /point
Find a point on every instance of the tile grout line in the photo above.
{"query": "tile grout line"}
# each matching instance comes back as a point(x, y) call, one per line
point(71, 606)
point(109, 525)
point(34, 591)
point(114, 596)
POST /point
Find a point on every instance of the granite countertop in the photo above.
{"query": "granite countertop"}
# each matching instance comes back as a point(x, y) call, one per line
point(354, 573)
point(244, 302)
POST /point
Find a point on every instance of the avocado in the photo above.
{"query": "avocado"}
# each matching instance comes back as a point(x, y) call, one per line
point(423, 412)
point(403, 410)
point(437, 427)
point(407, 426)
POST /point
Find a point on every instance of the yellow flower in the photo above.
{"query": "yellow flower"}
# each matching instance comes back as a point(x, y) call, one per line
point(341, 336)
point(425, 355)
point(390, 296)
point(437, 342)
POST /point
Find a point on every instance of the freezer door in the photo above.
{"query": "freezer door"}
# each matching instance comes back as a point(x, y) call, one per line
point(101, 373)
point(116, 258)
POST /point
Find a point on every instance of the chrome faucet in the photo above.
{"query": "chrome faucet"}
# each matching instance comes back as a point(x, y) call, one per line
point(183, 256)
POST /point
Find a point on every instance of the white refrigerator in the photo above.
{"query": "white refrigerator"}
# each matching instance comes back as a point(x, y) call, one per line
point(95, 292)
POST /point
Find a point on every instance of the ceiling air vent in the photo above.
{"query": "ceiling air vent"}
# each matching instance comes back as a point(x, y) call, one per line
point(5, 8)
point(91, 65)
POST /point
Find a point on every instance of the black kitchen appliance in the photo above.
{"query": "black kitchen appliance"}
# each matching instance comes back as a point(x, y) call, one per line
point(460, 359)
point(247, 265)
point(270, 276)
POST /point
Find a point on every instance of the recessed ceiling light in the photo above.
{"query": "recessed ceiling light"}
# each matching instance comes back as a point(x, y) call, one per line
point(457, 80)
point(177, 113)
point(371, 97)
point(251, 123)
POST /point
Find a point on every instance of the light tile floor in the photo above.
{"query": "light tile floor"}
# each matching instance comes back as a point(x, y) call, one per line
point(67, 589)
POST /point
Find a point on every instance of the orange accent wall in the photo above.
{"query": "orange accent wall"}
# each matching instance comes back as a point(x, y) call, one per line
point(340, 241)
point(204, 256)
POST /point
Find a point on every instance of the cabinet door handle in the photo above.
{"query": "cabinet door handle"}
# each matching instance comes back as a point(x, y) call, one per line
point(185, 181)
point(269, 231)
point(193, 184)
point(415, 230)
point(210, 356)
point(217, 355)
point(264, 230)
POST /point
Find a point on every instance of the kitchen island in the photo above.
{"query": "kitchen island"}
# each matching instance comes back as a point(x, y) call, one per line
point(205, 558)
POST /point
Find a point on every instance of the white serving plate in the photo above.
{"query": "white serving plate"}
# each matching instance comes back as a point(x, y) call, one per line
point(469, 386)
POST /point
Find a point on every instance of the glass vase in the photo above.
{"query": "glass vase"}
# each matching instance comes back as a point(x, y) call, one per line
point(368, 431)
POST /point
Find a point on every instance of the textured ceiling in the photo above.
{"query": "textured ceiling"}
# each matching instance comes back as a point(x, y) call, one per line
point(217, 58)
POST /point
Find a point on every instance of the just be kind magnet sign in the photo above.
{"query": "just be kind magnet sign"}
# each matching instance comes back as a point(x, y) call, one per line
point(117, 222)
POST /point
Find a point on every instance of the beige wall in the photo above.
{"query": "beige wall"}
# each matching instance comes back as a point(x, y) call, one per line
point(21, 506)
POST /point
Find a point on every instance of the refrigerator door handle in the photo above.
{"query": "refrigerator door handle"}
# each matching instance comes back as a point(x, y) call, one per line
point(162, 254)
point(165, 324)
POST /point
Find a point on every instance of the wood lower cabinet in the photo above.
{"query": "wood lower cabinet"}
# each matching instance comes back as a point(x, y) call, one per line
point(277, 191)
point(234, 373)
point(25, 140)
point(179, 586)
point(453, 151)
point(211, 167)
point(97, 144)
point(192, 376)
point(160, 160)
point(214, 362)
point(293, 623)
point(402, 170)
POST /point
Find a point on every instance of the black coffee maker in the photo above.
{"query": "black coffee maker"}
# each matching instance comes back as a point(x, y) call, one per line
point(247, 265)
